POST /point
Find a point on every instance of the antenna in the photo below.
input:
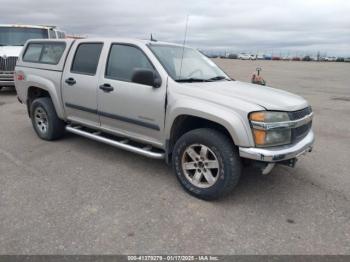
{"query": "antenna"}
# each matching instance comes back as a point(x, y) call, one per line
point(183, 45)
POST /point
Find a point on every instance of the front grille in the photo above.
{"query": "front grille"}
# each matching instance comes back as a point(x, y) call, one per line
point(301, 131)
point(300, 113)
point(8, 64)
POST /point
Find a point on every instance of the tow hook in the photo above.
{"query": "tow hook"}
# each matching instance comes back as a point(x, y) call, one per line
point(289, 162)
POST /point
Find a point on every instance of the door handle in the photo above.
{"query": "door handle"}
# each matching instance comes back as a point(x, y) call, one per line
point(107, 87)
point(70, 81)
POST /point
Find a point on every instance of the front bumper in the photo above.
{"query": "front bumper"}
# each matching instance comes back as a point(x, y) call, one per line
point(280, 153)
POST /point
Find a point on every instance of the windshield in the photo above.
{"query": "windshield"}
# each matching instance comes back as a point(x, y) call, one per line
point(186, 64)
point(17, 36)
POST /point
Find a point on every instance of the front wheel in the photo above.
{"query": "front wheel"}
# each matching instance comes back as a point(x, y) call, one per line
point(206, 163)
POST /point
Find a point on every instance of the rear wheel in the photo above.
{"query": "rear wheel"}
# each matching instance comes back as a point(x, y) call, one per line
point(206, 163)
point(45, 121)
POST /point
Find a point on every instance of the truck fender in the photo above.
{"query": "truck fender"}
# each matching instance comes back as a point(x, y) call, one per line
point(237, 127)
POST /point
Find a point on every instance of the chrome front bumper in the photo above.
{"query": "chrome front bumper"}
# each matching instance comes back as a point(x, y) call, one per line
point(281, 153)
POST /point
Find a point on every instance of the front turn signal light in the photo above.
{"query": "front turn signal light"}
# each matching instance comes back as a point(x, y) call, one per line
point(259, 137)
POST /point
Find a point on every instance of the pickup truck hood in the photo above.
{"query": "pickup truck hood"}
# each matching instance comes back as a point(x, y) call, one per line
point(266, 97)
point(10, 51)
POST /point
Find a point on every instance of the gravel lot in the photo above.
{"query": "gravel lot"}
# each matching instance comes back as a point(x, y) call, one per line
point(77, 196)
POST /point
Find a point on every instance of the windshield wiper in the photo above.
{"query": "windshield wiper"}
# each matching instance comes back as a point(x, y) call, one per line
point(191, 79)
point(217, 78)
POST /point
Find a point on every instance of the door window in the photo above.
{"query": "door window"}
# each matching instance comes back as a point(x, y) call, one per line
point(86, 58)
point(122, 61)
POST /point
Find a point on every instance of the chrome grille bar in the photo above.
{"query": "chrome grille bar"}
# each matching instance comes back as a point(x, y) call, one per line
point(8, 64)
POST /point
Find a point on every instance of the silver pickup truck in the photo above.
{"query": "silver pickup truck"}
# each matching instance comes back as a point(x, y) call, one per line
point(162, 101)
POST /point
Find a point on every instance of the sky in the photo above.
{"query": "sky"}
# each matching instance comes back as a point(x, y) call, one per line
point(268, 26)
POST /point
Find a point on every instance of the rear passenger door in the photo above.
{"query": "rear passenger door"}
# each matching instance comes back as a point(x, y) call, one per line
point(80, 82)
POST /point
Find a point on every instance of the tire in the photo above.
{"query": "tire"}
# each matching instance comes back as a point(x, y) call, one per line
point(220, 153)
point(43, 111)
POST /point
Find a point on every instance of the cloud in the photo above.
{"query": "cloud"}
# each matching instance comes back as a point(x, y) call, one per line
point(289, 25)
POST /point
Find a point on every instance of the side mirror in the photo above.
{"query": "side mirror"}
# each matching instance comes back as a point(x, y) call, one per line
point(146, 77)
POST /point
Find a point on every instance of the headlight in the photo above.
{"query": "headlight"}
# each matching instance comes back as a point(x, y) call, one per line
point(270, 128)
point(269, 116)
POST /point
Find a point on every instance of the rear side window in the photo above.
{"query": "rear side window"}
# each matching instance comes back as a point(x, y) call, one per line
point(33, 53)
point(52, 53)
point(86, 58)
point(45, 53)
point(122, 61)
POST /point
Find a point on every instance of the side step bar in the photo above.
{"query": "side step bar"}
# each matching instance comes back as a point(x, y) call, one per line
point(123, 144)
